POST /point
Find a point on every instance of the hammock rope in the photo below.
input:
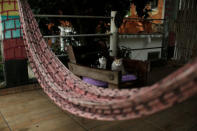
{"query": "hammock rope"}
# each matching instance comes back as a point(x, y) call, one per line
point(85, 100)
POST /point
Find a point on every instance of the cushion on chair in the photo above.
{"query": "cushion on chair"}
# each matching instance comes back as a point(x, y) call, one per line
point(95, 82)
point(125, 78)
point(128, 77)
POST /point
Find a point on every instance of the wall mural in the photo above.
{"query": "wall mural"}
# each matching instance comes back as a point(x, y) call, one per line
point(11, 31)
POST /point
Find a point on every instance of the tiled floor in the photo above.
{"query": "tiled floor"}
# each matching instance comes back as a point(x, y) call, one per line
point(33, 111)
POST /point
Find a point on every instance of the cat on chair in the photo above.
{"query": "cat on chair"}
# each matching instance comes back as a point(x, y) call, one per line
point(117, 65)
point(102, 62)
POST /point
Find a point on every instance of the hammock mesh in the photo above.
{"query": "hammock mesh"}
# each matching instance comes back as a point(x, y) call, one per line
point(85, 100)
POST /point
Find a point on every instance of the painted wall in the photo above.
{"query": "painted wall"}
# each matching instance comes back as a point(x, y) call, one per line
point(15, 61)
point(152, 30)
point(130, 26)
point(11, 32)
point(138, 42)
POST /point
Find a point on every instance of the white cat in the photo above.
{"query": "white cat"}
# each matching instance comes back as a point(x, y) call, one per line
point(117, 65)
point(102, 63)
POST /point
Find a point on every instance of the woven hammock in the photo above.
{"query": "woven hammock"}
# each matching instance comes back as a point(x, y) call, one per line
point(85, 100)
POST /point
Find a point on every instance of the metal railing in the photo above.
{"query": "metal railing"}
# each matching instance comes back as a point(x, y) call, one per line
point(78, 35)
point(159, 29)
point(73, 16)
point(149, 19)
point(159, 47)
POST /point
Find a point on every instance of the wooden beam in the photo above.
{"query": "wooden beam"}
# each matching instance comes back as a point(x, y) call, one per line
point(112, 77)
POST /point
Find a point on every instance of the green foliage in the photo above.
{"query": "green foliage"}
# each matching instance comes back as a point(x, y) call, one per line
point(140, 5)
point(56, 49)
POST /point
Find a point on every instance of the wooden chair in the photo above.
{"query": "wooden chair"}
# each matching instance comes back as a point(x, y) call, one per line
point(113, 78)
point(139, 68)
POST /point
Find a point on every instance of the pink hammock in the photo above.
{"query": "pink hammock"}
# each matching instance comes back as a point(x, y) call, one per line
point(79, 98)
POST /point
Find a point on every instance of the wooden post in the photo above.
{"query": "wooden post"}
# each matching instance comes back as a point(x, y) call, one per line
point(171, 10)
point(114, 36)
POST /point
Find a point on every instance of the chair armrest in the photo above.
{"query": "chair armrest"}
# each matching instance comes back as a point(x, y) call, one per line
point(111, 77)
point(140, 68)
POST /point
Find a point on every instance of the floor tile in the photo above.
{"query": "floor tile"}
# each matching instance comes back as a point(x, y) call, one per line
point(3, 125)
point(31, 111)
